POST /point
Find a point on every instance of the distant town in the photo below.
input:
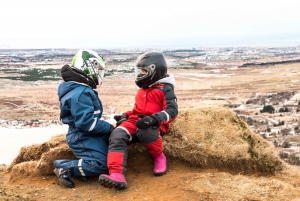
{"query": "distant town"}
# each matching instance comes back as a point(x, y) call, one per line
point(204, 56)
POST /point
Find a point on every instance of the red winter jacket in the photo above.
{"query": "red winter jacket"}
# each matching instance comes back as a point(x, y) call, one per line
point(158, 101)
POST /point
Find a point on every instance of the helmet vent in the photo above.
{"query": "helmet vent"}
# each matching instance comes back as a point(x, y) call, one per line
point(152, 66)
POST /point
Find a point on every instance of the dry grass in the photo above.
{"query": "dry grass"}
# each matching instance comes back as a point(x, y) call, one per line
point(214, 137)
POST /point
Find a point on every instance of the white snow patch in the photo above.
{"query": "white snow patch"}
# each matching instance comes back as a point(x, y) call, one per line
point(12, 139)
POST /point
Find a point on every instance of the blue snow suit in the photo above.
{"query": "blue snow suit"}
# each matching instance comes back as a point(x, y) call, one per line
point(87, 137)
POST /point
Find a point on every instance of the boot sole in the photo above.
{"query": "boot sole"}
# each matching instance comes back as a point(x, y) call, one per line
point(160, 174)
point(108, 183)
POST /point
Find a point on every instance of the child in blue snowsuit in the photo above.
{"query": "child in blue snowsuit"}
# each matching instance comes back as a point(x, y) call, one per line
point(81, 109)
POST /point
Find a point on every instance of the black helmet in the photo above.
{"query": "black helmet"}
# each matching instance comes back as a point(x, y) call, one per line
point(155, 65)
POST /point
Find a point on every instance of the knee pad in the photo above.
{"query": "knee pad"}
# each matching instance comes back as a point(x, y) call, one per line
point(118, 140)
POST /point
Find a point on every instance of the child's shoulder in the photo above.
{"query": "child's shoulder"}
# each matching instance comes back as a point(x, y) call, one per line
point(169, 86)
point(164, 86)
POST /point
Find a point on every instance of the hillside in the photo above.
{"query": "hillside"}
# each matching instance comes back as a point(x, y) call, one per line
point(212, 155)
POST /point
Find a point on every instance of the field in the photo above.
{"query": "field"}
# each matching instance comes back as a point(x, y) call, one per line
point(194, 87)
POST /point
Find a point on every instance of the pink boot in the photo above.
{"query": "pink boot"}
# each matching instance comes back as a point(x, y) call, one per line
point(115, 179)
point(160, 165)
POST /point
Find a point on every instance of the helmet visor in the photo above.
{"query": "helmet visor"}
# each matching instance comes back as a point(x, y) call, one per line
point(95, 69)
point(144, 72)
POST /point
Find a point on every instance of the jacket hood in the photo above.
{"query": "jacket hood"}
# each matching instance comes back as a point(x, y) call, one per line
point(169, 79)
point(66, 87)
point(73, 74)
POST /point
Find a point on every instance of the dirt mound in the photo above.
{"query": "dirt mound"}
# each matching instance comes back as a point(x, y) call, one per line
point(215, 137)
point(38, 159)
point(208, 137)
point(207, 149)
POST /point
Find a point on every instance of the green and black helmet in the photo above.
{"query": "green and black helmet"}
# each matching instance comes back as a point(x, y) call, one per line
point(91, 64)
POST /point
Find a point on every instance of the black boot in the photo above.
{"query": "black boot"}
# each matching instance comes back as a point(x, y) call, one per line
point(64, 177)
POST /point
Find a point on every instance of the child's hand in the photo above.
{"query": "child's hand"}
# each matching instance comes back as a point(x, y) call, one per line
point(145, 121)
point(120, 118)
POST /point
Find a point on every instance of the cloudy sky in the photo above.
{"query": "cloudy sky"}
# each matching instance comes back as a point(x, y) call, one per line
point(145, 23)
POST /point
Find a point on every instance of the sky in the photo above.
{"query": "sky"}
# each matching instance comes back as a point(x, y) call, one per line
point(152, 24)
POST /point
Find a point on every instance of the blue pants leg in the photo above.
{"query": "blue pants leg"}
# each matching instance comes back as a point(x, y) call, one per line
point(91, 151)
point(81, 167)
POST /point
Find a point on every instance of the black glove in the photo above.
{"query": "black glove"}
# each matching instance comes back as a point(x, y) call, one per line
point(146, 122)
point(120, 118)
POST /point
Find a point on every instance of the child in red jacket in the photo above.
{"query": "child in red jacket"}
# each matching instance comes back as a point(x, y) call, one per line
point(155, 107)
